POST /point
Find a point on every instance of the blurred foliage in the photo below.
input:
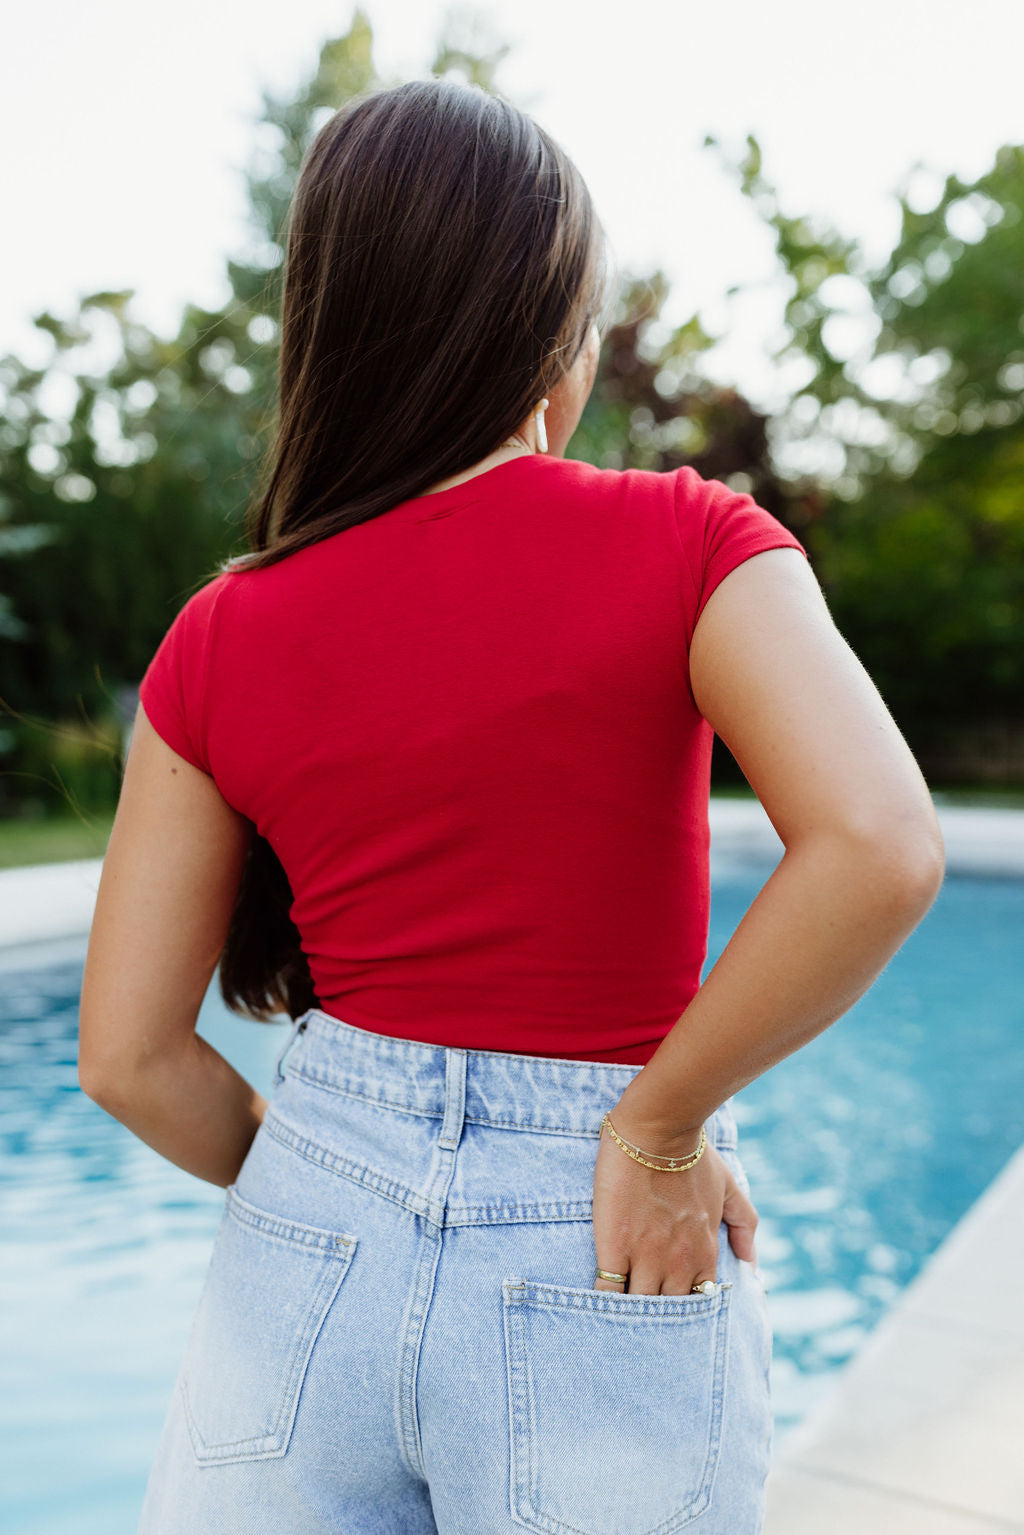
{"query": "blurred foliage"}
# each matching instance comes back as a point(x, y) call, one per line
point(112, 517)
point(651, 408)
point(915, 380)
point(79, 760)
point(127, 459)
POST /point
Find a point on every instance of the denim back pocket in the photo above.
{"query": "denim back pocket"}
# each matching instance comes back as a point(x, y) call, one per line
point(615, 1406)
point(268, 1288)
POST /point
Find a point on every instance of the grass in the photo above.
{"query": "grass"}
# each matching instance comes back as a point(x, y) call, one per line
point(24, 841)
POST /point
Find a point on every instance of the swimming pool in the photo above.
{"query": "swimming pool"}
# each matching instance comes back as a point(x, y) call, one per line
point(863, 1150)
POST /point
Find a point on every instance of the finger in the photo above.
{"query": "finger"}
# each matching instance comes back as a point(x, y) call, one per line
point(620, 1267)
point(704, 1267)
point(741, 1217)
point(644, 1280)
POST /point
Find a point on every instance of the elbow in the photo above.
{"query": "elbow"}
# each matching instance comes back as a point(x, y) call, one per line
point(923, 875)
point(899, 865)
point(105, 1083)
point(909, 861)
point(118, 1077)
point(93, 1084)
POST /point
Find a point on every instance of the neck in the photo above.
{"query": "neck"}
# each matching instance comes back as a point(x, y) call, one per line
point(512, 447)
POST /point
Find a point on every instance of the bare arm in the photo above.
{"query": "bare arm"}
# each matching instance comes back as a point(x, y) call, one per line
point(167, 891)
point(863, 859)
point(863, 862)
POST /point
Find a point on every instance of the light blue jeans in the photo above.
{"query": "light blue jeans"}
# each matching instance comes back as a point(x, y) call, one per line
point(398, 1331)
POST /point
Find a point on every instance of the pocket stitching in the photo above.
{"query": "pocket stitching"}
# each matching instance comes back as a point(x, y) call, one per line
point(522, 1421)
point(330, 1246)
point(683, 1308)
point(282, 1229)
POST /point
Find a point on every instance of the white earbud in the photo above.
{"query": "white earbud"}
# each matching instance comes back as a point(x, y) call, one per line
point(542, 436)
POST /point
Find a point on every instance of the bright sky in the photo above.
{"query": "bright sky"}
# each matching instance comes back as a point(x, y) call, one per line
point(126, 127)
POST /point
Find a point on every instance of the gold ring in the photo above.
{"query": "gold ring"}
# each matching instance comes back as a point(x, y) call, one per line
point(708, 1287)
point(618, 1278)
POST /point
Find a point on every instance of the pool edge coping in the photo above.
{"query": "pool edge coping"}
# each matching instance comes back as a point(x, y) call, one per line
point(46, 901)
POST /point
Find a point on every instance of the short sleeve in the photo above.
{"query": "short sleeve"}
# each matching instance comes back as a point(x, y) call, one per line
point(173, 686)
point(718, 529)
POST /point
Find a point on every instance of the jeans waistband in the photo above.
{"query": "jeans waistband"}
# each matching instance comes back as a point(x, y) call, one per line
point(495, 1087)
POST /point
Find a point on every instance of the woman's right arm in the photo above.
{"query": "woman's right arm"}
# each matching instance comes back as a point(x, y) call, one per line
point(863, 862)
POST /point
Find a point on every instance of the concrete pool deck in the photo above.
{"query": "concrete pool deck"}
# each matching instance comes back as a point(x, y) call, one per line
point(922, 1432)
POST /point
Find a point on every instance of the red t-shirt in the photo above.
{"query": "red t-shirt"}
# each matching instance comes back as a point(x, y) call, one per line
point(466, 728)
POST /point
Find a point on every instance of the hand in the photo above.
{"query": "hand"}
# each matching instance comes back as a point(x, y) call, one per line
point(662, 1228)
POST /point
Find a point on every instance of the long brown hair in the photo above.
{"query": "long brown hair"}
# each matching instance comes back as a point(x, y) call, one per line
point(443, 266)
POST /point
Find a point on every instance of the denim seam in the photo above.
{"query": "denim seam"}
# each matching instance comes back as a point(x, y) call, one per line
point(406, 1198)
point(684, 1309)
point(522, 1416)
point(720, 1381)
point(327, 1085)
point(314, 1238)
point(345, 1167)
point(263, 1446)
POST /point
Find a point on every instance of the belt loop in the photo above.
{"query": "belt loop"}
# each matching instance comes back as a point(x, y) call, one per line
point(297, 1027)
point(454, 1097)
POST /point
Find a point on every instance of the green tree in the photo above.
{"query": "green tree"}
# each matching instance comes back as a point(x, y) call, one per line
point(113, 514)
point(114, 509)
point(922, 548)
point(653, 407)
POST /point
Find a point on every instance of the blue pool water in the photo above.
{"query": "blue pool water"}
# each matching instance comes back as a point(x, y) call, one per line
point(863, 1149)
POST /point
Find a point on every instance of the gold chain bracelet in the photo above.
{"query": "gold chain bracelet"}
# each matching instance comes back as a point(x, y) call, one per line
point(675, 1164)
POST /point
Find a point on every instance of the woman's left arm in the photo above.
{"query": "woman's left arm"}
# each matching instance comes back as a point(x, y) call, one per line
point(167, 892)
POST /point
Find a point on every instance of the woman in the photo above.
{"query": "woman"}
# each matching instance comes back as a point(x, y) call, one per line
point(428, 771)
